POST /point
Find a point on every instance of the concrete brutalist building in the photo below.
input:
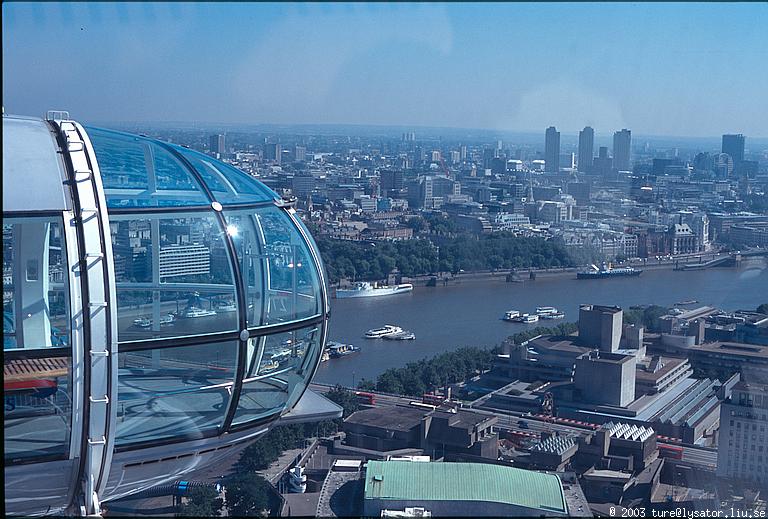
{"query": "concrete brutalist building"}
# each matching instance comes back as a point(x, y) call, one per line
point(437, 433)
point(605, 378)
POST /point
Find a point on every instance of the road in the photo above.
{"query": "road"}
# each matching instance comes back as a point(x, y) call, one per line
point(700, 456)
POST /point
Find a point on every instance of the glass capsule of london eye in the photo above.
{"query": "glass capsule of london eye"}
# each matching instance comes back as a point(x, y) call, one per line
point(161, 310)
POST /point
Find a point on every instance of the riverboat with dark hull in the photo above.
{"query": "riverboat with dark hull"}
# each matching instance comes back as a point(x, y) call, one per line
point(607, 272)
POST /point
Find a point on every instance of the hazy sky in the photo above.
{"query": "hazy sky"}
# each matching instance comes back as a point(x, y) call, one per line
point(659, 69)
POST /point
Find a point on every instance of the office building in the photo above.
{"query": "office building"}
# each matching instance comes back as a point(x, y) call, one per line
point(217, 146)
point(300, 153)
point(567, 161)
point(439, 434)
point(273, 153)
point(742, 451)
point(602, 164)
point(303, 185)
point(733, 145)
point(391, 182)
point(552, 150)
point(580, 191)
point(184, 260)
point(586, 148)
point(622, 144)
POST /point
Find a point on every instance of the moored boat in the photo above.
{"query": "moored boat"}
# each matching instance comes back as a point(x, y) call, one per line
point(337, 349)
point(526, 318)
point(510, 315)
point(194, 312)
point(228, 306)
point(387, 329)
point(607, 272)
point(142, 322)
point(268, 365)
point(145, 322)
point(365, 289)
point(405, 335)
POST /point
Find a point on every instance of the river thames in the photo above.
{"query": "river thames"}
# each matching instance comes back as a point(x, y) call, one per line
point(469, 314)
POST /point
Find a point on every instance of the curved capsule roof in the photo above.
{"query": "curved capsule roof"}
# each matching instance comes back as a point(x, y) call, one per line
point(33, 171)
point(141, 172)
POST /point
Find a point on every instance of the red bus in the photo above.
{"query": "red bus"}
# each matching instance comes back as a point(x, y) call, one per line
point(366, 398)
point(671, 451)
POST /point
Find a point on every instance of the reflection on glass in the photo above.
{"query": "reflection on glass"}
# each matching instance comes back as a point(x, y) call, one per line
point(35, 293)
point(229, 185)
point(139, 173)
point(170, 392)
point(277, 370)
point(272, 254)
point(38, 407)
point(173, 277)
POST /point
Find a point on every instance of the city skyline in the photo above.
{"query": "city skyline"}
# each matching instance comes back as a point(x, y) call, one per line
point(239, 64)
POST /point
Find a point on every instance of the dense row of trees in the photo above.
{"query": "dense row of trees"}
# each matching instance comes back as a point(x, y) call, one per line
point(649, 316)
point(371, 261)
point(426, 375)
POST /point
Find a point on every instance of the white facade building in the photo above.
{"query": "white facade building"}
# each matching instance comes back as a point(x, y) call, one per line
point(184, 260)
point(743, 443)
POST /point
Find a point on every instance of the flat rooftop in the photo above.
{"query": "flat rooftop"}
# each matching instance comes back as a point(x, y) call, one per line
point(601, 308)
point(733, 348)
point(695, 313)
point(558, 344)
point(439, 481)
point(753, 387)
point(609, 358)
point(465, 419)
point(668, 364)
point(396, 418)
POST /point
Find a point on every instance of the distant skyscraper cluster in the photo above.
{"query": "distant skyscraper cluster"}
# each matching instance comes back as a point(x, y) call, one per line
point(586, 161)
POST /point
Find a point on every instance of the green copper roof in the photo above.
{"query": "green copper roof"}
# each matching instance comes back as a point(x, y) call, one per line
point(437, 481)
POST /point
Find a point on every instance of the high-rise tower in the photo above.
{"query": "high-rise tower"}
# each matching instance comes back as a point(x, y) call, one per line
point(733, 145)
point(621, 149)
point(586, 148)
point(552, 150)
point(218, 146)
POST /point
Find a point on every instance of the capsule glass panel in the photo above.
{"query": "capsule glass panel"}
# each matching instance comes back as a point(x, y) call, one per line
point(138, 172)
point(37, 413)
point(37, 388)
point(173, 276)
point(281, 280)
point(173, 392)
point(35, 292)
point(228, 185)
point(277, 371)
